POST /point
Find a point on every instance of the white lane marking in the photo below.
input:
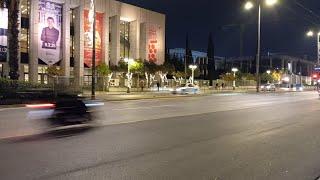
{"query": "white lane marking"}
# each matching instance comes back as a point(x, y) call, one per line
point(16, 108)
point(135, 108)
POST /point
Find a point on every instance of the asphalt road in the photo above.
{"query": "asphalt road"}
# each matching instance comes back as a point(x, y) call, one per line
point(227, 136)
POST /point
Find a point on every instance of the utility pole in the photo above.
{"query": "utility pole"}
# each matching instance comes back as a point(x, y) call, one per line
point(258, 49)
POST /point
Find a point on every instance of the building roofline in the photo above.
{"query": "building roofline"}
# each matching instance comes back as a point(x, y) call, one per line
point(162, 13)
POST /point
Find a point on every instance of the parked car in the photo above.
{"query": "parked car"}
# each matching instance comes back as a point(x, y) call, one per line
point(299, 87)
point(187, 89)
point(268, 87)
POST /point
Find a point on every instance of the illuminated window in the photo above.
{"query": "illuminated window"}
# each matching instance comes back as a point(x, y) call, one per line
point(124, 39)
point(24, 40)
point(25, 8)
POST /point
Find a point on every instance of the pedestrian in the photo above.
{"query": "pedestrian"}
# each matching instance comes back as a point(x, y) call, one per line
point(142, 85)
point(217, 86)
point(222, 85)
point(158, 85)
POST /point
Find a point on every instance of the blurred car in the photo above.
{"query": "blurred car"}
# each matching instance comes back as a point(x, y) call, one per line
point(268, 87)
point(187, 89)
point(66, 110)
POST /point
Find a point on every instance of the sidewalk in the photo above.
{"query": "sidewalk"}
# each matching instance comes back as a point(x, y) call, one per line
point(121, 96)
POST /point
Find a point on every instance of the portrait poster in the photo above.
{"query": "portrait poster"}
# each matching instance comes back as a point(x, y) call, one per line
point(3, 34)
point(50, 31)
point(88, 38)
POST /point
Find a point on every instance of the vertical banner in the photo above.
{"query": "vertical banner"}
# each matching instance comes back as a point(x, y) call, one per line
point(88, 35)
point(153, 42)
point(50, 26)
point(3, 33)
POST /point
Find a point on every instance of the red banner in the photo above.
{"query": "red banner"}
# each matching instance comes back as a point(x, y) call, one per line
point(88, 41)
point(153, 43)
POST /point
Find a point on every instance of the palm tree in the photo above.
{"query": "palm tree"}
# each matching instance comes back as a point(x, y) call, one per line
point(13, 33)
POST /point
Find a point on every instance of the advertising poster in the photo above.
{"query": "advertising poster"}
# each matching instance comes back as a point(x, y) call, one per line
point(88, 41)
point(3, 33)
point(50, 26)
point(153, 42)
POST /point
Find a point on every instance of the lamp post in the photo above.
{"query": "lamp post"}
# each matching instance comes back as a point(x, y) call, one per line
point(311, 34)
point(268, 72)
point(234, 70)
point(248, 6)
point(129, 75)
point(193, 67)
point(92, 17)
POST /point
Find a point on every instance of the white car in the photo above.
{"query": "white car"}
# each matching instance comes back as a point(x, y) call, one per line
point(187, 89)
point(268, 87)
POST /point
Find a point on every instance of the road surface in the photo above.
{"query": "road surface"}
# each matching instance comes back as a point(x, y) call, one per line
point(225, 136)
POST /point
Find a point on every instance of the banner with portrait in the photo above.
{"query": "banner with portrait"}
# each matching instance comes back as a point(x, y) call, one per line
point(3, 34)
point(50, 26)
point(88, 38)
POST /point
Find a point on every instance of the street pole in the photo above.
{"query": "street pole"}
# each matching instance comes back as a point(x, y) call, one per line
point(93, 83)
point(258, 49)
point(185, 69)
point(128, 74)
point(192, 75)
point(234, 81)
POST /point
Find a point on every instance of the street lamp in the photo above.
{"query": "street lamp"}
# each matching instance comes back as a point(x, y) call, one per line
point(271, 2)
point(268, 72)
point(249, 5)
point(129, 75)
point(234, 70)
point(193, 67)
point(311, 34)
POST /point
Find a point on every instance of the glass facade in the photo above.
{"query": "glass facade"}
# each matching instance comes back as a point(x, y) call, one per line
point(124, 39)
point(24, 32)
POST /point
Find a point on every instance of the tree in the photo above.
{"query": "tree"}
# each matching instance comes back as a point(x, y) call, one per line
point(137, 67)
point(188, 56)
point(228, 77)
point(13, 33)
point(265, 77)
point(104, 71)
point(211, 60)
point(276, 76)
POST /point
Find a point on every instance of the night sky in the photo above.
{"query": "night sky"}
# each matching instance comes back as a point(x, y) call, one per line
point(283, 27)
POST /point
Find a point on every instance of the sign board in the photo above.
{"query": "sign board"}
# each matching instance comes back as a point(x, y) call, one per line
point(3, 34)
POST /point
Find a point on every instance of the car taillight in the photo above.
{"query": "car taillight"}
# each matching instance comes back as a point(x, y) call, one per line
point(40, 106)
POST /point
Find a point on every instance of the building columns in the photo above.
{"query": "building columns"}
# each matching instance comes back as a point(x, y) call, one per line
point(65, 63)
point(79, 45)
point(115, 39)
point(105, 40)
point(33, 50)
point(134, 39)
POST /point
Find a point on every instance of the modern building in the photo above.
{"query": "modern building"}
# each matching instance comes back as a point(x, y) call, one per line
point(60, 32)
point(292, 64)
point(180, 53)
